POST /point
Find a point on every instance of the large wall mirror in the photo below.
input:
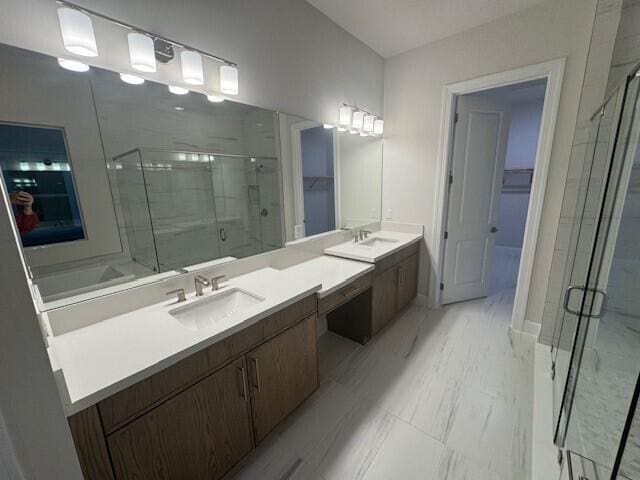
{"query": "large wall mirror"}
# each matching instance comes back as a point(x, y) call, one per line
point(114, 184)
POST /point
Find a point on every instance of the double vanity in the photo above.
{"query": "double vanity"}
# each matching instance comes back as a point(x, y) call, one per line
point(185, 388)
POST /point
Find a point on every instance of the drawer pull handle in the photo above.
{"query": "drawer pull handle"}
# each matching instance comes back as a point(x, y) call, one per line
point(256, 373)
point(243, 383)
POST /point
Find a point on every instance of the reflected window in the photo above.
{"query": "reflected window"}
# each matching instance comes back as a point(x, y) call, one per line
point(37, 173)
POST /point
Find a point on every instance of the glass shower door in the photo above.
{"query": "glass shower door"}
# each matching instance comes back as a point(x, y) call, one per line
point(601, 315)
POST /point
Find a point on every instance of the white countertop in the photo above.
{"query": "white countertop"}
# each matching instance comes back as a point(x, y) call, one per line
point(332, 272)
point(109, 356)
point(372, 254)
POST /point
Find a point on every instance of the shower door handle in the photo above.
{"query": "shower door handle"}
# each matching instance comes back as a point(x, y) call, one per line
point(594, 291)
point(494, 229)
point(223, 234)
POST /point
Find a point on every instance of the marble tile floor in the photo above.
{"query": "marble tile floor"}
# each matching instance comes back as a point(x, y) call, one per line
point(440, 394)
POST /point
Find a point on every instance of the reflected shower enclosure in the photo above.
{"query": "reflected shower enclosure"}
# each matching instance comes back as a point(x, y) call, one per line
point(179, 208)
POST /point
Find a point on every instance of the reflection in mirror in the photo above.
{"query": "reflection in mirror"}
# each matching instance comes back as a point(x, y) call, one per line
point(112, 182)
point(331, 179)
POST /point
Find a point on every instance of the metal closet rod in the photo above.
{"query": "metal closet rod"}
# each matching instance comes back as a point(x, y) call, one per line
point(128, 26)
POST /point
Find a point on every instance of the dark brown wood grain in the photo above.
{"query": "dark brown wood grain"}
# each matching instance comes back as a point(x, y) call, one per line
point(199, 434)
point(394, 259)
point(283, 372)
point(352, 290)
point(408, 284)
point(384, 299)
point(91, 445)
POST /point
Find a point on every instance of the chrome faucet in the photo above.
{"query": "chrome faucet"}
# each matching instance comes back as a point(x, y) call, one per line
point(215, 282)
point(200, 283)
point(364, 234)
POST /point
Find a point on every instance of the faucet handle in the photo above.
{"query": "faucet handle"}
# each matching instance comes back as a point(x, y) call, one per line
point(182, 297)
point(215, 282)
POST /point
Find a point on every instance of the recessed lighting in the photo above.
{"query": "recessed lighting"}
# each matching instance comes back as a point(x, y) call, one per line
point(215, 98)
point(131, 79)
point(179, 109)
point(178, 90)
point(73, 65)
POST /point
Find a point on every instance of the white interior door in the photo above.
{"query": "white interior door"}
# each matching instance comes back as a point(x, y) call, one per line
point(479, 145)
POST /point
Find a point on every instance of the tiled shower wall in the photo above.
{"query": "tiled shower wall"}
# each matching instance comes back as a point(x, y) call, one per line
point(594, 90)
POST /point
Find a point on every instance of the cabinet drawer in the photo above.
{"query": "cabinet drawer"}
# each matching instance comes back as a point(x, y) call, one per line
point(343, 295)
point(126, 405)
point(388, 262)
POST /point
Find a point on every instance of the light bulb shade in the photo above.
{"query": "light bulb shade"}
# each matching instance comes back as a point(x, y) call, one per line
point(77, 32)
point(73, 65)
point(378, 127)
point(178, 90)
point(215, 98)
point(131, 79)
point(142, 53)
point(229, 79)
point(358, 120)
point(192, 72)
point(345, 116)
point(368, 123)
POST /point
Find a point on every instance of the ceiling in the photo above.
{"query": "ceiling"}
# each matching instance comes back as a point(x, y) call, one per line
point(394, 26)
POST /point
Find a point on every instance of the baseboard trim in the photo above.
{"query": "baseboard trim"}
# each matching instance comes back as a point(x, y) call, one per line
point(531, 328)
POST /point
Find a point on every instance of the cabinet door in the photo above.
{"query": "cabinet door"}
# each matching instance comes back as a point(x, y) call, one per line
point(198, 434)
point(408, 281)
point(385, 295)
point(283, 373)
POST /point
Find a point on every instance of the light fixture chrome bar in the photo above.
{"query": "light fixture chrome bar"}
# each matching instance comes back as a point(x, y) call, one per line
point(128, 26)
point(360, 109)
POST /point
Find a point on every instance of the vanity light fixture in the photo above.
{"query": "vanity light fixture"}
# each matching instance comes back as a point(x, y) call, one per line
point(192, 72)
point(368, 123)
point(145, 48)
point(178, 90)
point(215, 98)
point(178, 109)
point(345, 116)
point(342, 129)
point(182, 157)
point(229, 79)
point(77, 32)
point(378, 126)
point(131, 79)
point(142, 53)
point(73, 65)
point(328, 126)
point(357, 121)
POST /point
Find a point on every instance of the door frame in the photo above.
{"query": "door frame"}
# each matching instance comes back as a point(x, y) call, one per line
point(298, 182)
point(553, 72)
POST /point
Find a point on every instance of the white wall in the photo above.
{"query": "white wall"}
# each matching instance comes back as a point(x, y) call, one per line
point(522, 144)
point(414, 84)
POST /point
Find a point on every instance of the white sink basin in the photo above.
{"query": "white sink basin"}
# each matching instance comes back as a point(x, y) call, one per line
point(215, 308)
point(378, 242)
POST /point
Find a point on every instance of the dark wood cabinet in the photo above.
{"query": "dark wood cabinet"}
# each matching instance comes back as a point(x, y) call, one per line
point(198, 434)
point(385, 297)
point(194, 419)
point(407, 281)
point(283, 372)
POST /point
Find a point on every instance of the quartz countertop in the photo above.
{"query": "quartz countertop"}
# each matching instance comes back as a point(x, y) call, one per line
point(372, 254)
point(104, 358)
point(332, 272)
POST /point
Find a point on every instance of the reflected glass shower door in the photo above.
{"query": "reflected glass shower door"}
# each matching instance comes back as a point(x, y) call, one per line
point(181, 205)
point(604, 365)
point(271, 225)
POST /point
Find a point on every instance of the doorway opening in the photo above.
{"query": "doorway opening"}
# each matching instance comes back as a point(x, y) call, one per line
point(470, 173)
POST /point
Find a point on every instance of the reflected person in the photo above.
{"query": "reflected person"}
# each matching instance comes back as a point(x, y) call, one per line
point(26, 218)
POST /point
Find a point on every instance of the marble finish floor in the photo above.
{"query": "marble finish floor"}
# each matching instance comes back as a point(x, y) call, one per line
point(441, 394)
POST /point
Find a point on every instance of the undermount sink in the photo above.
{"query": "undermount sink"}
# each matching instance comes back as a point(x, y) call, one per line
point(215, 308)
point(378, 242)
